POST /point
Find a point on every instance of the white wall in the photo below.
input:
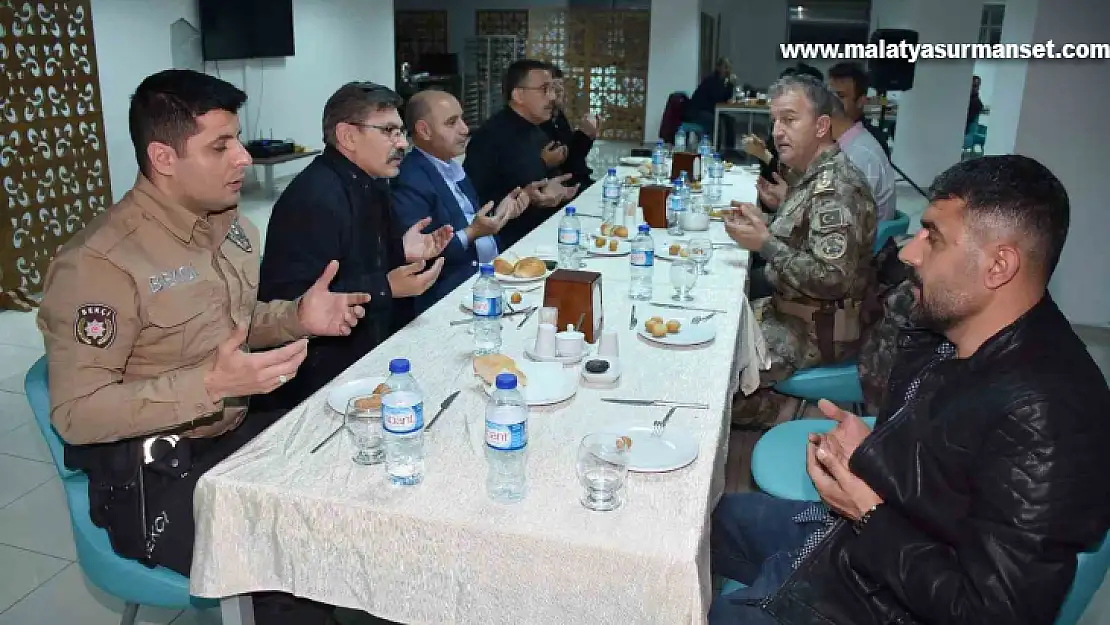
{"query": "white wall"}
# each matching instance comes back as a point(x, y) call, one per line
point(461, 15)
point(932, 115)
point(1064, 125)
point(755, 29)
point(673, 57)
point(336, 41)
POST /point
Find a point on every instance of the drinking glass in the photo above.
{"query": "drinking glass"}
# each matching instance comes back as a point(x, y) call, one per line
point(602, 469)
point(701, 252)
point(364, 427)
point(549, 314)
point(684, 275)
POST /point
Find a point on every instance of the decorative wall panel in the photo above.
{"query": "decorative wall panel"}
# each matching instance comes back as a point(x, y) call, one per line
point(419, 32)
point(53, 157)
point(604, 58)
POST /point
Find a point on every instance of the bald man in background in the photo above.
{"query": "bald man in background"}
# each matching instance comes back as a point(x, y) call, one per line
point(433, 184)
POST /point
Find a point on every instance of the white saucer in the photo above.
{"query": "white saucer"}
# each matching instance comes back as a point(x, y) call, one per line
point(624, 248)
point(529, 351)
point(515, 280)
point(612, 375)
point(341, 395)
point(673, 450)
point(688, 334)
point(548, 383)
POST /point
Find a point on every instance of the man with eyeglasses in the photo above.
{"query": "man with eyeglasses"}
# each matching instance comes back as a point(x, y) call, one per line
point(340, 208)
point(510, 150)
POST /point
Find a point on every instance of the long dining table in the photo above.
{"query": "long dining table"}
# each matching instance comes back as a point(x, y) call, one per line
point(275, 517)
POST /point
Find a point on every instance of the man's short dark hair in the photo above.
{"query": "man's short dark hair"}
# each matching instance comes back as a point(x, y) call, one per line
point(1015, 193)
point(853, 71)
point(166, 105)
point(556, 71)
point(518, 73)
point(353, 102)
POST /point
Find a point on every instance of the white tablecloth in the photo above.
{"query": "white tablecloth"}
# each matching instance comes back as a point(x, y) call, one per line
point(274, 517)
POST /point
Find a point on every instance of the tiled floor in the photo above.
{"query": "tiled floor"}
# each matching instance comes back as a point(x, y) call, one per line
point(40, 583)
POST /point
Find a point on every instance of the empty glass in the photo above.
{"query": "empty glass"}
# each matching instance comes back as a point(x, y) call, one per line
point(602, 469)
point(701, 251)
point(363, 421)
point(684, 275)
point(549, 314)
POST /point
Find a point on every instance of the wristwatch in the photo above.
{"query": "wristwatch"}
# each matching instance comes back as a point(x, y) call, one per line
point(858, 524)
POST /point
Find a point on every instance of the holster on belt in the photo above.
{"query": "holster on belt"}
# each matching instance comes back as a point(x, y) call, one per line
point(833, 322)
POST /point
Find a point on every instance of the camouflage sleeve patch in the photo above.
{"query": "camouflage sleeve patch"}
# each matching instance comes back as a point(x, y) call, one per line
point(829, 217)
point(826, 182)
point(831, 247)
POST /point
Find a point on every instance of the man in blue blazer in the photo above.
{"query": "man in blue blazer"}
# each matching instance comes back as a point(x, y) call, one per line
point(432, 184)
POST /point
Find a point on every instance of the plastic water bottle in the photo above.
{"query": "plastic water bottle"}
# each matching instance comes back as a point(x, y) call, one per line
point(658, 161)
point(403, 425)
point(506, 441)
point(714, 190)
point(643, 264)
point(680, 141)
point(676, 208)
point(487, 304)
point(705, 151)
point(570, 237)
point(610, 196)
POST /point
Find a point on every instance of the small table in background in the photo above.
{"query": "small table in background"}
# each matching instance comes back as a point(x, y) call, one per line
point(269, 161)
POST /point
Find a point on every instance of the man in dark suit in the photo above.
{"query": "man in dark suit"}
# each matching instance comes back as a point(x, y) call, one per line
point(575, 144)
point(338, 208)
point(432, 185)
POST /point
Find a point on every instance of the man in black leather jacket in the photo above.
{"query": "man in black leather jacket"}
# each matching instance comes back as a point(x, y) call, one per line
point(985, 475)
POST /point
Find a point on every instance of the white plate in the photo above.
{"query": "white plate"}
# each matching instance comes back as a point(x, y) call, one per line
point(688, 334)
point(635, 161)
point(624, 248)
point(340, 396)
point(658, 454)
point(548, 383)
point(516, 280)
point(529, 298)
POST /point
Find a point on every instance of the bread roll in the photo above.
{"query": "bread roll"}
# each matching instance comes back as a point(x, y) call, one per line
point(613, 245)
point(606, 229)
point(503, 267)
point(599, 242)
point(530, 267)
point(673, 326)
point(489, 366)
point(620, 231)
point(516, 298)
point(659, 330)
point(674, 249)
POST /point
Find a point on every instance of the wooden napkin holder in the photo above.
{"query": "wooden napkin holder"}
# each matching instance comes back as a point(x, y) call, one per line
point(688, 162)
point(653, 201)
point(576, 293)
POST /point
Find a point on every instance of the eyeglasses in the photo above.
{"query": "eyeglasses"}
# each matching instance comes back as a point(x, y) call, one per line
point(393, 133)
point(546, 88)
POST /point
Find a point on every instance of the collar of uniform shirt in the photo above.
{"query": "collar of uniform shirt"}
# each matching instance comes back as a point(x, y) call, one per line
point(450, 170)
point(180, 221)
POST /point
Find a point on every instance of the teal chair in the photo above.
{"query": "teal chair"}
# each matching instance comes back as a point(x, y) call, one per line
point(779, 469)
point(698, 129)
point(893, 228)
point(976, 137)
point(126, 579)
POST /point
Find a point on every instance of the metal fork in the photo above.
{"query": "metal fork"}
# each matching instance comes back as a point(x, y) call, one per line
point(658, 426)
point(703, 318)
point(632, 324)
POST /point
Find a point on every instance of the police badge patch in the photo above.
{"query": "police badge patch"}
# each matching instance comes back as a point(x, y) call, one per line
point(95, 325)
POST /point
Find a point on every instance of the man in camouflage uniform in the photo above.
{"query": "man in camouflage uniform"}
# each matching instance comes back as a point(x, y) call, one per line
point(818, 248)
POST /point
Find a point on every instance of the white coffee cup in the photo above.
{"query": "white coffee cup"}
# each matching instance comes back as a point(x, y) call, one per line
point(545, 341)
point(570, 343)
point(609, 346)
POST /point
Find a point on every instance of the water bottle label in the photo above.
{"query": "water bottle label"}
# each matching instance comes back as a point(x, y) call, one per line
point(487, 306)
point(643, 258)
point(612, 192)
point(504, 437)
point(403, 419)
point(677, 207)
point(568, 236)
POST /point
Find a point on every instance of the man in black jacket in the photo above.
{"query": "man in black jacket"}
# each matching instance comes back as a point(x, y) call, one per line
point(339, 208)
point(577, 143)
point(985, 476)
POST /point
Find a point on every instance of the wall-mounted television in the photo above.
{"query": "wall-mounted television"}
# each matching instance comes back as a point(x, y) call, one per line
point(245, 29)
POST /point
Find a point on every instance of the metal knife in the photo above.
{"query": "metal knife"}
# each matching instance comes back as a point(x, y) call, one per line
point(678, 307)
point(526, 318)
point(655, 402)
point(442, 407)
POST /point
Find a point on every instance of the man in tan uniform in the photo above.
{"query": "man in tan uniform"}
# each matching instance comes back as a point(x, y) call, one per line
point(817, 248)
point(149, 317)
